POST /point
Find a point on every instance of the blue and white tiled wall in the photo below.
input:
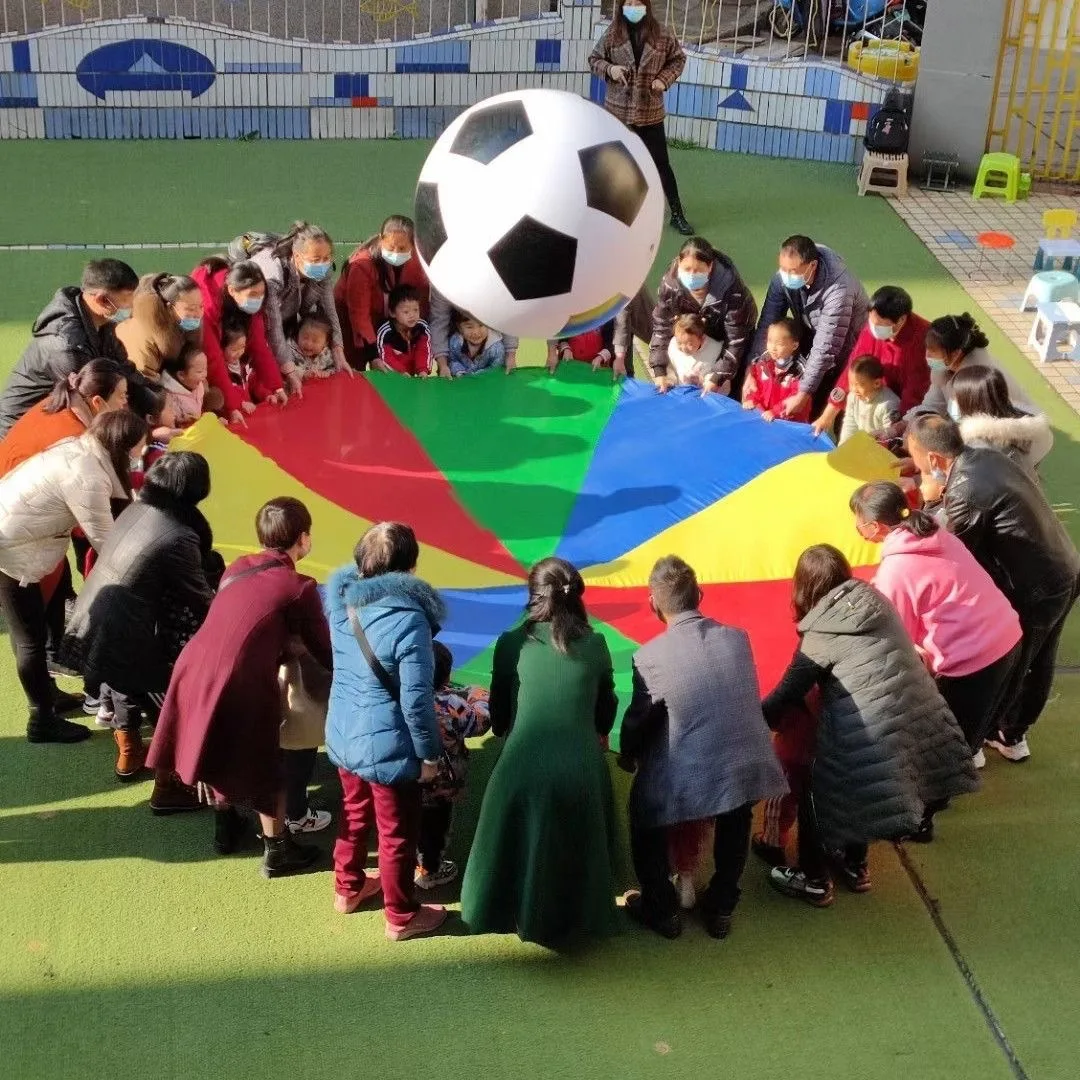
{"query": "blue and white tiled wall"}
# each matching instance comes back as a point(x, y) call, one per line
point(128, 79)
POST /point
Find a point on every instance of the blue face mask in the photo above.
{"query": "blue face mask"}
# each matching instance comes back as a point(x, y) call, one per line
point(190, 322)
point(792, 281)
point(395, 258)
point(633, 13)
point(696, 280)
point(251, 306)
point(315, 271)
point(939, 475)
point(954, 411)
point(120, 314)
point(936, 365)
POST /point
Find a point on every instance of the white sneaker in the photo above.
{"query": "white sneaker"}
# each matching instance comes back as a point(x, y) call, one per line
point(684, 886)
point(978, 759)
point(1015, 752)
point(104, 717)
point(312, 821)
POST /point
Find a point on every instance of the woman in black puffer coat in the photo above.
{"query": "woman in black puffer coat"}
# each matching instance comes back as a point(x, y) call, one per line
point(148, 592)
point(889, 754)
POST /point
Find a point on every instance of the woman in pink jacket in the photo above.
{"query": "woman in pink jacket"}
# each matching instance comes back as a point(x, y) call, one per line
point(963, 627)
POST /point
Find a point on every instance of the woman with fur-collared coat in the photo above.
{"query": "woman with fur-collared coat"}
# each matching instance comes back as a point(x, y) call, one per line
point(889, 753)
point(640, 59)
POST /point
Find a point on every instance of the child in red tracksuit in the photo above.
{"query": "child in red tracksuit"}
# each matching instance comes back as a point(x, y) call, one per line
point(596, 347)
point(774, 376)
point(242, 372)
point(403, 342)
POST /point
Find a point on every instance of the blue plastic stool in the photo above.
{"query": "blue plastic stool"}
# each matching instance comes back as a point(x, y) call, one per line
point(1049, 287)
point(1064, 248)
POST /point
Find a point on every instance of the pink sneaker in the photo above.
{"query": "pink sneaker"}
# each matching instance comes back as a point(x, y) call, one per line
point(346, 905)
point(426, 921)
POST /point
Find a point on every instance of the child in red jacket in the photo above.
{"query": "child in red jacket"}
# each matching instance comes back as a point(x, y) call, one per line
point(594, 347)
point(774, 376)
point(404, 342)
point(243, 374)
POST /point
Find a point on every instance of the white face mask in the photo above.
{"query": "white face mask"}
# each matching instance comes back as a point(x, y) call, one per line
point(396, 258)
point(882, 331)
point(954, 411)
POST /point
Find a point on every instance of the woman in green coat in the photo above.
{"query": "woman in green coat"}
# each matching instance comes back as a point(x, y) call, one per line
point(541, 862)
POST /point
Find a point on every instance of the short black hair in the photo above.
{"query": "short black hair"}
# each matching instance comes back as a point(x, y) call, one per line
point(108, 275)
point(937, 434)
point(281, 522)
point(674, 586)
point(444, 664)
point(400, 294)
point(891, 302)
point(790, 325)
point(386, 548)
point(802, 246)
point(182, 476)
point(868, 367)
point(318, 320)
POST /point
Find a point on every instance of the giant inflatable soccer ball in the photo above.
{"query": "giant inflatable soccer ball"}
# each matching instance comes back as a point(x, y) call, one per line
point(539, 213)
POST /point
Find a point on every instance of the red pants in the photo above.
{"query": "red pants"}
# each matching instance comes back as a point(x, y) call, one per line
point(684, 845)
point(395, 812)
point(793, 741)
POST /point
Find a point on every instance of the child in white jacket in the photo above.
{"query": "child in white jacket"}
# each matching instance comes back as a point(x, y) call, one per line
point(871, 406)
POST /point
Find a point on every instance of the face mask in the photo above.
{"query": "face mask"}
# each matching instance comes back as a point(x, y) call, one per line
point(693, 281)
point(936, 365)
point(120, 314)
point(882, 331)
point(783, 363)
point(135, 464)
point(190, 322)
point(792, 281)
point(315, 271)
point(395, 258)
point(938, 475)
point(954, 411)
point(633, 13)
point(251, 306)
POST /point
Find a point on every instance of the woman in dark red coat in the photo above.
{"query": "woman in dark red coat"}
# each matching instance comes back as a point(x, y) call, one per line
point(220, 724)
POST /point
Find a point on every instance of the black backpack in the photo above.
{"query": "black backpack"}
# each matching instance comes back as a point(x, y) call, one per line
point(888, 131)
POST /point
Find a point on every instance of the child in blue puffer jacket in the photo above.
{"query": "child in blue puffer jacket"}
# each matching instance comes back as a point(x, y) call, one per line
point(381, 730)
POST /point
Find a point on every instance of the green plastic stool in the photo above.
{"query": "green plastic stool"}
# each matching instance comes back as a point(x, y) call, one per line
point(999, 174)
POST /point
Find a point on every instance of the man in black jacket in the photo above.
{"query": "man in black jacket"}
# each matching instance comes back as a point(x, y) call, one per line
point(1000, 513)
point(75, 327)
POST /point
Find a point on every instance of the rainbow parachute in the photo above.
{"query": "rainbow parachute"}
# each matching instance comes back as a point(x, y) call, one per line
point(496, 472)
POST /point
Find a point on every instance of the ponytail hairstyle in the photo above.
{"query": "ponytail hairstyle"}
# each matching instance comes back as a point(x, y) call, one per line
point(298, 237)
point(690, 323)
point(242, 275)
point(820, 569)
point(952, 333)
point(982, 390)
point(98, 378)
point(884, 503)
point(699, 248)
point(170, 287)
point(556, 593)
point(119, 433)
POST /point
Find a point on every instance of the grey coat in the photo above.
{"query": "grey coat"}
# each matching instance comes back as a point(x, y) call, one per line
point(887, 743)
point(695, 726)
point(833, 307)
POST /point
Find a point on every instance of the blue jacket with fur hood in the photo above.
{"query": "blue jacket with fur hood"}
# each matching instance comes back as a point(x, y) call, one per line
point(367, 733)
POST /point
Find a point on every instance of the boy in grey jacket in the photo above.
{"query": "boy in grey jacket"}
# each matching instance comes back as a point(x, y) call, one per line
point(871, 406)
point(697, 738)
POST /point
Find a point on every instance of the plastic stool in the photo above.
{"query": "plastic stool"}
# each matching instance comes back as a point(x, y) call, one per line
point(999, 174)
point(993, 241)
point(886, 173)
point(1058, 243)
point(1055, 334)
point(1049, 287)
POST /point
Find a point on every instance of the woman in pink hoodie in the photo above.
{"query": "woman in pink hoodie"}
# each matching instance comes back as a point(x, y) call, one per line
point(963, 627)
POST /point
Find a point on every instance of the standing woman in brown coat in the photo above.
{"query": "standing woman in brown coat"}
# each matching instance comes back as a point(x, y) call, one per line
point(639, 58)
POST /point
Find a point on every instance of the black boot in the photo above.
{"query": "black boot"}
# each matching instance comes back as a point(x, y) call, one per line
point(65, 703)
point(47, 727)
point(678, 220)
point(228, 830)
point(283, 855)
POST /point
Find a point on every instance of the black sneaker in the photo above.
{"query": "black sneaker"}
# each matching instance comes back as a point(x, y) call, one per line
point(670, 927)
point(854, 876)
point(924, 834)
point(283, 855)
point(55, 730)
point(65, 703)
point(228, 830)
point(679, 223)
point(717, 924)
point(62, 671)
point(792, 882)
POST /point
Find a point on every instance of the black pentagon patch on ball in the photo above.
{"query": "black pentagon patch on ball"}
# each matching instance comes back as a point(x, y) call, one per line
point(491, 130)
point(614, 182)
point(535, 261)
point(427, 213)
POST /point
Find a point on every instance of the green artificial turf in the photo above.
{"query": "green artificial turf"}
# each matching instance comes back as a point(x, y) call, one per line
point(127, 949)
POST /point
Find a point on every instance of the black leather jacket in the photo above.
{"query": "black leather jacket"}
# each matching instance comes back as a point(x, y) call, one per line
point(1002, 516)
